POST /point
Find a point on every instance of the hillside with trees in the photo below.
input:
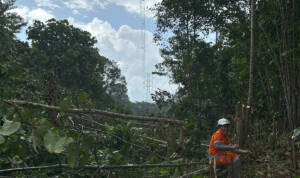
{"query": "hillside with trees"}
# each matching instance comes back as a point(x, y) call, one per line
point(65, 111)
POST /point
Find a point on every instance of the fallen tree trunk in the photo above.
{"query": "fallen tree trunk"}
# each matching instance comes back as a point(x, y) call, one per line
point(94, 111)
point(99, 167)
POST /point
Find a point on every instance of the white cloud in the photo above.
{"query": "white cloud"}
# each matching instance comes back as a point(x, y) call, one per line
point(35, 14)
point(125, 47)
point(39, 14)
point(23, 12)
point(75, 11)
point(71, 20)
point(46, 3)
point(134, 6)
point(85, 4)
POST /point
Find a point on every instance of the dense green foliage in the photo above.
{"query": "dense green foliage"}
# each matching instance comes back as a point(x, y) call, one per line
point(61, 66)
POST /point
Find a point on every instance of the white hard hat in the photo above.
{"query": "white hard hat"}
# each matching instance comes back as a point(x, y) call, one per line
point(223, 121)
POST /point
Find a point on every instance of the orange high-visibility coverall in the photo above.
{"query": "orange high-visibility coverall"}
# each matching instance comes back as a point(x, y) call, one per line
point(224, 158)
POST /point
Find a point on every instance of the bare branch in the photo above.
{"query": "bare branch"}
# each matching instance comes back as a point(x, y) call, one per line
point(205, 145)
point(164, 143)
point(167, 175)
point(201, 171)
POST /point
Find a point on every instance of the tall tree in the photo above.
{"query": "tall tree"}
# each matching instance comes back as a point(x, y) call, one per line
point(69, 54)
point(245, 122)
point(115, 83)
point(252, 52)
point(198, 68)
point(10, 23)
point(288, 64)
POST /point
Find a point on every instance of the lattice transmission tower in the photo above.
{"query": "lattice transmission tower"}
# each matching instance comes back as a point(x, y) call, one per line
point(148, 80)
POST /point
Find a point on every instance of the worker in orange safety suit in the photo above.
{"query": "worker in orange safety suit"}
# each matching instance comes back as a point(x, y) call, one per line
point(224, 152)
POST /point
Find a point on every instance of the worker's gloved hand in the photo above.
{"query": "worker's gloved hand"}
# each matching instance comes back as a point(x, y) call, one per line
point(235, 146)
point(245, 151)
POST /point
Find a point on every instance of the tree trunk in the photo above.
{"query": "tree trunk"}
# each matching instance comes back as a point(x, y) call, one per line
point(237, 123)
point(52, 100)
point(245, 123)
point(171, 139)
point(250, 89)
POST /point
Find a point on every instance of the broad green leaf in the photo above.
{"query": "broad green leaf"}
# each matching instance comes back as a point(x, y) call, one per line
point(129, 123)
point(2, 139)
point(50, 141)
point(164, 171)
point(62, 143)
point(56, 144)
point(83, 97)
point(43, 126)
point(9, 127)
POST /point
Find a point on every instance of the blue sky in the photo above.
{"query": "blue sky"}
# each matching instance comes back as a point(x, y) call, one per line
point(117, 25)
